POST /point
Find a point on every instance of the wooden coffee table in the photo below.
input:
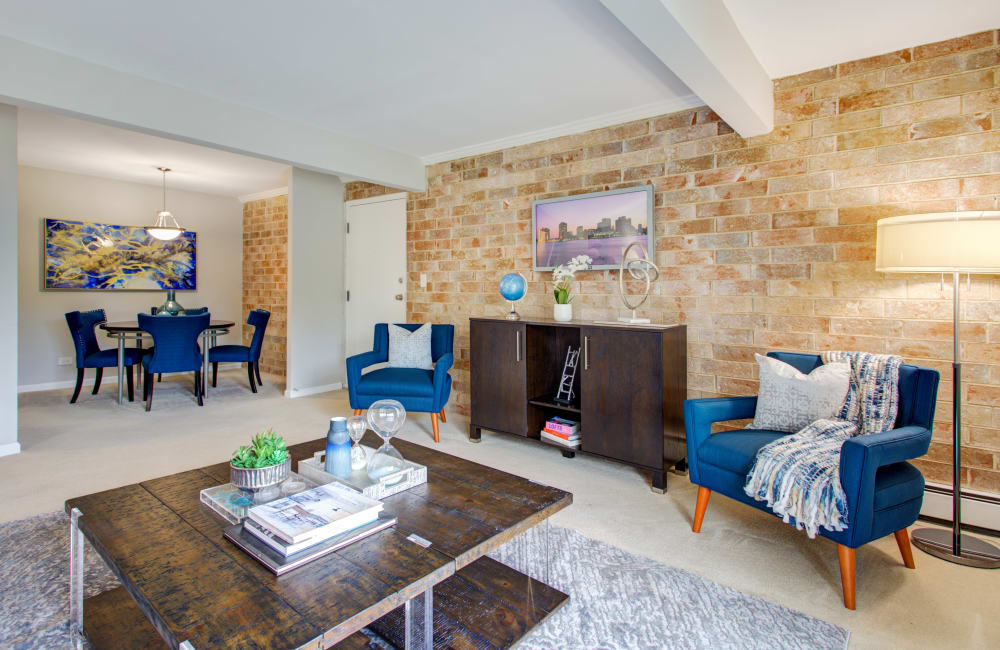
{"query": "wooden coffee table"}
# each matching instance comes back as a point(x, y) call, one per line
point(184, 585)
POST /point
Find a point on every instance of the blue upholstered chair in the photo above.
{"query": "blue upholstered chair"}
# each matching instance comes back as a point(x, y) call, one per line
point(242, 353)
point(884, 492)
point(175, 349)
point(424, 391)
point(90, 355)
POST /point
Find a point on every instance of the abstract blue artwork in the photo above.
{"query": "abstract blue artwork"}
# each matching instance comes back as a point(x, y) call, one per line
point(81, 255)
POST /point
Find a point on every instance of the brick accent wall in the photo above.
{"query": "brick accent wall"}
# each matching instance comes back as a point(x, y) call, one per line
point(265, 276)
point(765, 243)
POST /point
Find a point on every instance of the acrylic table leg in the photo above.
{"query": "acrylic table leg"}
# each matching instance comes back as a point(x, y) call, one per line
point(121, 367)
point(418, 620)
point(548, 545)
point(75, 579)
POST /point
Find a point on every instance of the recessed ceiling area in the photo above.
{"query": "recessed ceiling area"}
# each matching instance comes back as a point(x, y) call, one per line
point(793, 36)
point(416, 77)
point(66, 144)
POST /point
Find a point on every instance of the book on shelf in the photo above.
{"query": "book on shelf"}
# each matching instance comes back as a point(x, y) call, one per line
point(315, 515)
point(573, 442)
point(562, 425)
point(564, 436)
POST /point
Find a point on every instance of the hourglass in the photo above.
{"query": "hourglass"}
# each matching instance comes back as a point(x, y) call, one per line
point(356, 427)
point(385, 417)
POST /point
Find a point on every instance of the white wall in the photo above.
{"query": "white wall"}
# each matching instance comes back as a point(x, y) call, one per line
point(43, 335)
point(8, 268)
point(316, 302)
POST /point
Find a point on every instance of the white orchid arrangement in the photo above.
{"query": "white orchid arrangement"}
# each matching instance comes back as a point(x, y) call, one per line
point(563, 276)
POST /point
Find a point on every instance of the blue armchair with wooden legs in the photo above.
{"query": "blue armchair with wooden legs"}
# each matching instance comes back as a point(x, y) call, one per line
point(90, 355)
point(249, 355)
point(884, 492)
point(424, 391)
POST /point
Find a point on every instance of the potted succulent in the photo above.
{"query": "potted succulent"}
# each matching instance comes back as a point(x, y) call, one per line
point(265, 462)
point(562, 286)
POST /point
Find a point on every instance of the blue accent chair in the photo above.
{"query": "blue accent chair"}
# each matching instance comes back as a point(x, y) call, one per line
point(424, 391)
point(175, 349)
point(884, 492)
point(90, 355)
point(242, 353)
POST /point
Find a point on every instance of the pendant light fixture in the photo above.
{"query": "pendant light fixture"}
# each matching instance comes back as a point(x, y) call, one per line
point(166, 227)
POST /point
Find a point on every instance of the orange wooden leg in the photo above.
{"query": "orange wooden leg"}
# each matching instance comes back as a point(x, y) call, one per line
point(434, 424)
point(846, 556)
point(357, 411)
point(903, 542)
point(443, 418)
point(700, 507)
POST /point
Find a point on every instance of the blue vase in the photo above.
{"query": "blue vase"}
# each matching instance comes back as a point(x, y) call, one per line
point(338, 449)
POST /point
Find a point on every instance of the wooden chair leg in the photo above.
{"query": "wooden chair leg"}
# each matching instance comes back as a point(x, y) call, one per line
point(903, 542)
point(846, 556)
point(79, 385)
point(700, 507)
point(357, 411)
point(131, 383)
point(197, 388)
point(97, 380)
point(434, 425)
point(253, 384)
point(256, 371)
point(149, 393)
point(159, 377)
point(215, 372)
point(443, 418)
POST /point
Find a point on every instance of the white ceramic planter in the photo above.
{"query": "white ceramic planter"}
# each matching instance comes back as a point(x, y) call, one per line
point(562, 313)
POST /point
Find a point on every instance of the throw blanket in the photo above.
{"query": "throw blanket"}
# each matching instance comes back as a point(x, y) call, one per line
point(799, 475)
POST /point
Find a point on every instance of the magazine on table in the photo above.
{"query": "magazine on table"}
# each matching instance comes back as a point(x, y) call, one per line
point(315, 514)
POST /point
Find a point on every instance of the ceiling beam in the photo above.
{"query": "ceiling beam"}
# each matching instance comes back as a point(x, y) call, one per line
point(700, 43)
point(36, 77)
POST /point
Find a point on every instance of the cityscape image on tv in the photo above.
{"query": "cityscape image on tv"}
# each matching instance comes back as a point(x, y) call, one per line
point(599, 226)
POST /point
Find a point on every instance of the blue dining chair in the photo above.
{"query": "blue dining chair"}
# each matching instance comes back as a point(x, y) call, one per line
point(249, 355)
point(90, 355)
point(155, 311)
point(175, 349)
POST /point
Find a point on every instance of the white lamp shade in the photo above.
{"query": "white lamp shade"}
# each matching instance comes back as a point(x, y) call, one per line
point(941, 242)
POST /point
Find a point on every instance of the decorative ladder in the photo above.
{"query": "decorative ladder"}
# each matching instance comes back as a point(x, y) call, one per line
point(569, 374)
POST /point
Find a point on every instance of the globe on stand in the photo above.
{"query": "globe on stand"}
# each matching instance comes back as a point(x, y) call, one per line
point(386, 418)
point(512, 288)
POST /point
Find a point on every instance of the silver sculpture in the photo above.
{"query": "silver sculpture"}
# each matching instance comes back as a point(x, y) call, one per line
point(565, 394)
point(640, 268)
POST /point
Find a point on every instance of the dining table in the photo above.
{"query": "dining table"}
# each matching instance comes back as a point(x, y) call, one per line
point(124, 330)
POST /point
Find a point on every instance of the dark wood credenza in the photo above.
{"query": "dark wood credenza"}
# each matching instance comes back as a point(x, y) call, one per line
point(630, 386)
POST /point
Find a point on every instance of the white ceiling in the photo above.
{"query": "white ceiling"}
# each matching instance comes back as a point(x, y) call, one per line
point(417, 77)
point(792, 36)
point(65, 144)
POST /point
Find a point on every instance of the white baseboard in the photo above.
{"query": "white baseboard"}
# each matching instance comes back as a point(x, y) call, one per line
point(313, 390)
point(110, 378)
point(10, 448)
point(974, 511)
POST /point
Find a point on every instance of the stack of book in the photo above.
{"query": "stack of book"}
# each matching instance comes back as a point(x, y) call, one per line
point(563, 432)
point(296, 529)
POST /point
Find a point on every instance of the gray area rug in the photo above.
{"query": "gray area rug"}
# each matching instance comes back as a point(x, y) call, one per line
point(617, 599)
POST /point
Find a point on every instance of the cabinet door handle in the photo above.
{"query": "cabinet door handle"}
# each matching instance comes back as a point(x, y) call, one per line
point(586, 353)
point(517, 345)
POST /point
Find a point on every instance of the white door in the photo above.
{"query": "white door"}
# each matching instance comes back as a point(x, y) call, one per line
point(376, 267)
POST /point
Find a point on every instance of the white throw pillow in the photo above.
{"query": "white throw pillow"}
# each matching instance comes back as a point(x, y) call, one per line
point(789, 400)
point(410, 349)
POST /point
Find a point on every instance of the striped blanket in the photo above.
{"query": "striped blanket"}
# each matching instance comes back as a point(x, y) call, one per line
point(799, 475)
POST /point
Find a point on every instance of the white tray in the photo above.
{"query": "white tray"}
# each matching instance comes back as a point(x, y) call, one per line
point(410, 476)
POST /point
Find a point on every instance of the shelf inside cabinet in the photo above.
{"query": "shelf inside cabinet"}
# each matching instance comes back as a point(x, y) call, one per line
point(548, 403)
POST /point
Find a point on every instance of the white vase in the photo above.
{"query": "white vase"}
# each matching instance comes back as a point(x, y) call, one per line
point(562, 313)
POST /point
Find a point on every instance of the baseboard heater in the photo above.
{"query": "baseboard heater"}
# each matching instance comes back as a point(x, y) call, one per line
point(980, 511)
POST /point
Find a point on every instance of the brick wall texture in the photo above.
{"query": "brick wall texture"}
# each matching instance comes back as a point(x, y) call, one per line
point(765, 243)
point(265, 276)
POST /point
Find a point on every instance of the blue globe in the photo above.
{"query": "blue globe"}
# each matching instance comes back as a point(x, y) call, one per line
point(512, 286)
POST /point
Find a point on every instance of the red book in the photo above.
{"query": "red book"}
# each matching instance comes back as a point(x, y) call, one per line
point(561, 435)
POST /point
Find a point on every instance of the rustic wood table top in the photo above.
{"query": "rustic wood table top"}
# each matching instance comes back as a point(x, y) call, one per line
point(193, 585)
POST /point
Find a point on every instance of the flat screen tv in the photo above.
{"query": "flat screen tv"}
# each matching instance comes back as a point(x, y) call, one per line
point(599, 224)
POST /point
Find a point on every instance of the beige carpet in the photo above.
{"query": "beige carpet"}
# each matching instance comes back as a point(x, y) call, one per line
point(69, 450)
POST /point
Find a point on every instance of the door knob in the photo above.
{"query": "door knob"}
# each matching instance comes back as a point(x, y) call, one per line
point(399, 296)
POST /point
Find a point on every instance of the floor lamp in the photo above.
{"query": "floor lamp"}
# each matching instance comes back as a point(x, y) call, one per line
point(956, 243)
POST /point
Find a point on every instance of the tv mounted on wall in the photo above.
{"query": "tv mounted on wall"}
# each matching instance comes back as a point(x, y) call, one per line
point(599, 224)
